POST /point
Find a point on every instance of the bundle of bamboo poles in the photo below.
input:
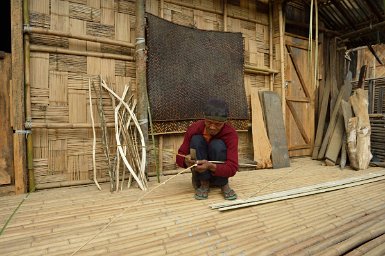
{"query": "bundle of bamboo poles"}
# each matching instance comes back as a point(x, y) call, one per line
point(377, 123)
point(130, 143)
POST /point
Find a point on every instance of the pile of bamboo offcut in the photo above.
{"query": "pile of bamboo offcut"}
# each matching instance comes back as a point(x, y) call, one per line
point(130, 143)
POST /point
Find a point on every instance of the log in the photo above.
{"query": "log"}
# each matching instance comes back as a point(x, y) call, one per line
point(359, 131)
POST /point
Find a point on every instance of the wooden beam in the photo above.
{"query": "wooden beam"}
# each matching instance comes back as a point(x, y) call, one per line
point(42, 31)
point(19, 157)
point(50, 49)
point(368, 29)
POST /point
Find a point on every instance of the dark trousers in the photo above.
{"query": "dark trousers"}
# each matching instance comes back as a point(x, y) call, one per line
point(214, 151)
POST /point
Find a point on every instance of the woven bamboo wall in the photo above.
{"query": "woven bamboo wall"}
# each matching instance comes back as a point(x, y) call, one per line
point(59, 82)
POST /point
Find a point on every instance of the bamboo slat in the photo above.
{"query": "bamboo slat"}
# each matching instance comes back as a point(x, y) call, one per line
point(49, 49)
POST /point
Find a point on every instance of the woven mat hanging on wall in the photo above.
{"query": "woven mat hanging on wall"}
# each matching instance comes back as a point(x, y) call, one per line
point(186, 67)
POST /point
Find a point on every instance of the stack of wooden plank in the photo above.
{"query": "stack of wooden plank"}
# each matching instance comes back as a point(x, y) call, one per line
point(377, 123)
point(348, 132)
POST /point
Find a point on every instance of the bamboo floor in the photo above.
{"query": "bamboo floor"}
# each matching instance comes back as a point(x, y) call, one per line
point(85, 221)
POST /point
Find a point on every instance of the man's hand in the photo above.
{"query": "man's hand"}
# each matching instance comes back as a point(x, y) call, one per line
point(203, 165)
point(188, 161)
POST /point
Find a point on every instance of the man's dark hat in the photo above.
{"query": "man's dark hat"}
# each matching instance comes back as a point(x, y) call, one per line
point(216, 109)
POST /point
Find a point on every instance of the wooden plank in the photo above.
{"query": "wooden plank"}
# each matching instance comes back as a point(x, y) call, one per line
point(261, 144)
point(321, 121)
point(333, 79)
point(275, 129)
point(19, 166)
point(343, 94)
point(335, 144)
point(6, 147)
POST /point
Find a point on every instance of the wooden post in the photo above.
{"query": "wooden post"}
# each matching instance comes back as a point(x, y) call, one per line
point(282, 57)
point(27, 98)
point(225, 15)
point(140, 60)
point(271, 77)
point(6, 134)
point(19, 165)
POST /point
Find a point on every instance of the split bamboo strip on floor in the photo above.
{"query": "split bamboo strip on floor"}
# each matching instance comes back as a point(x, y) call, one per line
point(319, 188)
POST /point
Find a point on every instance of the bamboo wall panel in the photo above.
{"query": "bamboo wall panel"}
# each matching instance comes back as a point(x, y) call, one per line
point(59, 84)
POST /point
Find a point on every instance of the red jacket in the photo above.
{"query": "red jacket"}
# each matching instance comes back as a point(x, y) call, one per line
point(228, 135)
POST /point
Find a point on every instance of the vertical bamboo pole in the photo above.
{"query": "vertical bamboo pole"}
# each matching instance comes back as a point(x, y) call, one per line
point(225, 15)
point(17, 96)
point(140, 61)
point(282, 57)
point(27, 95)
point(161, 9)
point(271, 77)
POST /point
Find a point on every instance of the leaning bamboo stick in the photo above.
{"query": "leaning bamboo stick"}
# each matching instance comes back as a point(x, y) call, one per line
point(50, 49)
point(118, 127)
point(105, 143)
point(143, 159)
point(94, 136)
point(42, 31)
point(122, 153)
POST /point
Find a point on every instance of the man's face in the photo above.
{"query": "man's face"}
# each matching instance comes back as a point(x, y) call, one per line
point(213, 127)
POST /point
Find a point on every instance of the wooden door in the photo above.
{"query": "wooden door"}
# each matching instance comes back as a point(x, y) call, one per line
point(6, 145)
point(300, 95)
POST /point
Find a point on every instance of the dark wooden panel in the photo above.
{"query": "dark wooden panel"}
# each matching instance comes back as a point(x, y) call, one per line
point(275, 129)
